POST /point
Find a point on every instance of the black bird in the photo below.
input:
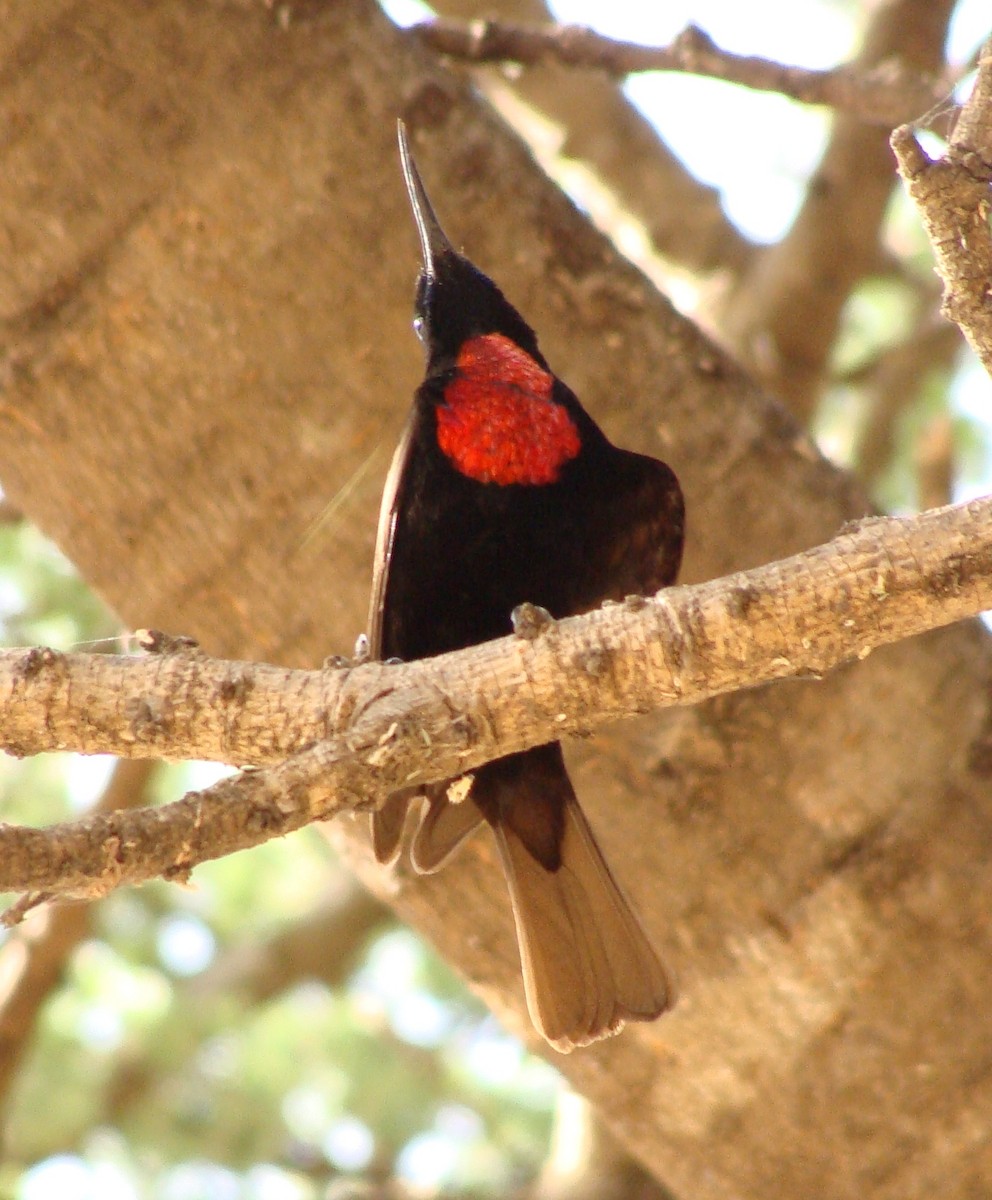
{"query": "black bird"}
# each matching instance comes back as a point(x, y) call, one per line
point(504, 490)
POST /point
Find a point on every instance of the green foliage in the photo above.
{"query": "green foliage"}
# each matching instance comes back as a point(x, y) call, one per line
point(43, 602)
point(163, 1083)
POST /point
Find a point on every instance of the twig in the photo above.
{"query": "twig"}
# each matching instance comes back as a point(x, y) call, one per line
point(325, 945)
point(887, 94)
point(10, 514)
point(682, 216)
point(385, 727)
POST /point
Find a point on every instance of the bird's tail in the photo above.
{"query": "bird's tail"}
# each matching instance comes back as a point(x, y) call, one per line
point(587, 963)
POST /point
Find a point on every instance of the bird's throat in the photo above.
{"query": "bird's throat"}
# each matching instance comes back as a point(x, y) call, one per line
point(498, 422)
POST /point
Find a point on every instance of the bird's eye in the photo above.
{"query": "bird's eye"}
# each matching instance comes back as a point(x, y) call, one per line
point(420, 327)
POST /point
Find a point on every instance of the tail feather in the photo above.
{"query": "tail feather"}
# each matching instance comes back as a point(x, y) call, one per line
point(443, 829)
point(387, 824)
point(587, 963)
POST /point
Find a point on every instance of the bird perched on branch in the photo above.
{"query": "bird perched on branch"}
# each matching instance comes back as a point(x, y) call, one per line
point(502, 491)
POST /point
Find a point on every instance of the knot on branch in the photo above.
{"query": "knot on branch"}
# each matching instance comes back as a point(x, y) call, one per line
point(236, 688)
point(694, 45)
point(971, 162)
point(154, 641)
point(37, 660)
point(148, 718)
point(530, 621)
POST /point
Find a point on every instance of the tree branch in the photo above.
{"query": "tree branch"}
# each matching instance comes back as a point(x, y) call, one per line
point(886, 94)
point(355, 735)
point(933, 460)
point(952, 195)
point(601, 128)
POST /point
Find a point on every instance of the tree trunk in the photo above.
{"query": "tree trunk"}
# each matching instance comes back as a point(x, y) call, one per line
point(206, 304)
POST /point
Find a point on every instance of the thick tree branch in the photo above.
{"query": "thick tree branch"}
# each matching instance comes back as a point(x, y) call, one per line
point(952, 194)
point(886, 94)
point(355, 735)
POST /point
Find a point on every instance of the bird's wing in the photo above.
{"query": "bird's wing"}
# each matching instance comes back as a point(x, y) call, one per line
point(388, 821)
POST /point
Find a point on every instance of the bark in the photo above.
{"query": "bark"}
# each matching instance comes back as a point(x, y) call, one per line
point(347, 739)
point(954, 201)
point(209, 268)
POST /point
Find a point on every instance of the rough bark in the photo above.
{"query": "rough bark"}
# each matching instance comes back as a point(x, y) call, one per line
point(206, 301)
point(954, 201)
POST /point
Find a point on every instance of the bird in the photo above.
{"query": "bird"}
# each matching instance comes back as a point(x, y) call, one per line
point(504, 491)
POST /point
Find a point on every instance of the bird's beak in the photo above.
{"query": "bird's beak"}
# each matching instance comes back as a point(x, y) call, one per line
point(433, 240)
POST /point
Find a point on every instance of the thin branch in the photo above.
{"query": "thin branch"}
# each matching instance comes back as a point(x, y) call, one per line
point(10, 514)
point(384, 727)
point(683, 217)
point(953, 197)
point(324, 945)
point(887, 94)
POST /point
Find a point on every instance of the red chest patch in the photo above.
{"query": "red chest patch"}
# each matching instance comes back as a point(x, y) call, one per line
point(498, 422)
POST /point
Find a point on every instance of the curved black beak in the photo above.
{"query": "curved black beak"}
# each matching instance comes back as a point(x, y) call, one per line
point(433, 240)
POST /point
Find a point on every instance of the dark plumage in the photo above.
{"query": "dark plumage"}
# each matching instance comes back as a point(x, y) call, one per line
point(504, 490)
